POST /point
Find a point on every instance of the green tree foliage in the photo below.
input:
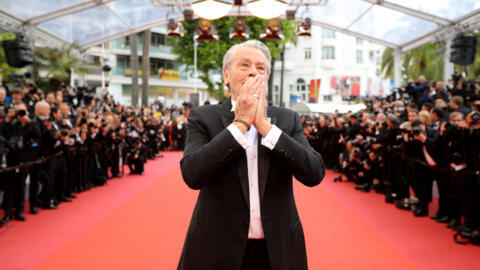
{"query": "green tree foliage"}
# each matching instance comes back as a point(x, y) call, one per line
point(210, 53)
point(424, 61)
point(59, 64)
point(388, 62)
point(419, 61)
point(5, 68)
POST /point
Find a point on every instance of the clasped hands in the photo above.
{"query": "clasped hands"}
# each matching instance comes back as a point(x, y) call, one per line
point(251, 105)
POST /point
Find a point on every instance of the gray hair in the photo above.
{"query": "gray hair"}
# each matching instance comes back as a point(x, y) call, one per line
point(227, 58)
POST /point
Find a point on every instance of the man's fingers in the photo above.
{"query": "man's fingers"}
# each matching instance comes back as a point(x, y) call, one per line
point(253, 89)
point(248, 84)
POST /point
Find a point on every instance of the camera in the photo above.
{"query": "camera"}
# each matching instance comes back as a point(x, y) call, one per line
point(20, 113)
point(449, 126)
point(465, 236)
point(416, 131)
point(476, 117)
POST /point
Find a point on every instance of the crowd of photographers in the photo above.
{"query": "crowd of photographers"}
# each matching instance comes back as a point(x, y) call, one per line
point(71, 140)
point(401, 144)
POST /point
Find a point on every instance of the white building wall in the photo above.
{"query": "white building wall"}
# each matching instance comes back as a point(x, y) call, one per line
point(116, 81)
point(344, 64)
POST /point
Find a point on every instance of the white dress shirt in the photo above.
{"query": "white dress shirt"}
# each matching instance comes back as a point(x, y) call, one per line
point(249, 142)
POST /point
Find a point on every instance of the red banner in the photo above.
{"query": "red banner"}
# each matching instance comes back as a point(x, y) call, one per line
point(314, 90)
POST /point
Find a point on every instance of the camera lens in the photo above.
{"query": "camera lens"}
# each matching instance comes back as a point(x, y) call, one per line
point(21, 113)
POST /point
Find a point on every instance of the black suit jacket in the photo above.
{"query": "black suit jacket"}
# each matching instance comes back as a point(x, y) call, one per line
point(216, 164)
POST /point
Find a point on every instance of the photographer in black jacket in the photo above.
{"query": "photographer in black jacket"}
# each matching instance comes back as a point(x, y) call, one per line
point(15, 130)
point(41, 138)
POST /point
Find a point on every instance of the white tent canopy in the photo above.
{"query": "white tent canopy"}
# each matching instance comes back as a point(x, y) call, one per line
point(310, 108)
point(401, 24)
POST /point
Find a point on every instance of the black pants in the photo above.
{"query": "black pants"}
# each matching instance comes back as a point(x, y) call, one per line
point(136, 165)
point(38, 176)
point(444, 190)
point(14, 196)
point(256, 255)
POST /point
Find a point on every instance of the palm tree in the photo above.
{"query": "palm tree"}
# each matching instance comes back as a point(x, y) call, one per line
point(134, 68)
point(145, 66)
point(290, 36)
point(424, 61)
point(420, 61)
point(388, 62)
point(59, 64)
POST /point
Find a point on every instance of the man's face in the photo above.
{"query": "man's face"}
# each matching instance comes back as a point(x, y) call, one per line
point(247, 62)
point(439, 86)
point(43, 111)
point(457, 120)
point(412, 116)
point(476, 104)
point(439, 102)
point(50, 98)
point(16, 96)
point(64, 110)
point(453, 105)
point(3, 95)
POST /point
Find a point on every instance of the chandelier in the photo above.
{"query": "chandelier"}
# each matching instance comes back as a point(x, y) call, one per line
point(215, 9)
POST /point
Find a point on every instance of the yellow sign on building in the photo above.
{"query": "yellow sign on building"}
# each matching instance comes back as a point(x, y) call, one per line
point(128, 72)
point(165, 74)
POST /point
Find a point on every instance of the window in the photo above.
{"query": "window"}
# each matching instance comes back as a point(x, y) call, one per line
point(359, 57)
point(328, 53)
point(300, 85)
point(275, 88)
point(156, 64)
point(158, 39)
point(96, 60)
point(359, 41)
point(308, 53)
point(123, 61)
point(302, 89)
point(327, 33)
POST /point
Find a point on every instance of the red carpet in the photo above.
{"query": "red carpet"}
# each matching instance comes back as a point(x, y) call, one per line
point(140, 223)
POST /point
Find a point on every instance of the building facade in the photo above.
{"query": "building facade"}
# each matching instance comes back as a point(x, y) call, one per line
point(168, 80)
point(327, 65)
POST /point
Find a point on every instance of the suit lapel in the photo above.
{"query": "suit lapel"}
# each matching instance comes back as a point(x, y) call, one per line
point(263, 161)
point(226, 114)
point(242, 169)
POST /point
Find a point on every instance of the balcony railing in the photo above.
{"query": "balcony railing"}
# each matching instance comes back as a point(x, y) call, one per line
point(164, 75)
point(120, 44)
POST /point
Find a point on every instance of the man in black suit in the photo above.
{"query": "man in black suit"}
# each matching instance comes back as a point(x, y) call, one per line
point(242, 156)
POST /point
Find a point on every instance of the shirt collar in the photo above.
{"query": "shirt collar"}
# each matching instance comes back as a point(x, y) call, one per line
point(233, 105)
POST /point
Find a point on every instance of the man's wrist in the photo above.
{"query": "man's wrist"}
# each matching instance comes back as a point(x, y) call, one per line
point(242, 127)
point(264, 128)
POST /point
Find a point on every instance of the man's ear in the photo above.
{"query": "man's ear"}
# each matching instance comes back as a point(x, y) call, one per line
point(225, 77)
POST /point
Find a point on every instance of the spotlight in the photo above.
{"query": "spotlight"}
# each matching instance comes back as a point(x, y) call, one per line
point(188, 15)
point(205, 31)
point(304, 29)
point(239, 29)
point(211, 9)
point(290, 15)
point(267, 9)
point(174, 29)
point(272, 31)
